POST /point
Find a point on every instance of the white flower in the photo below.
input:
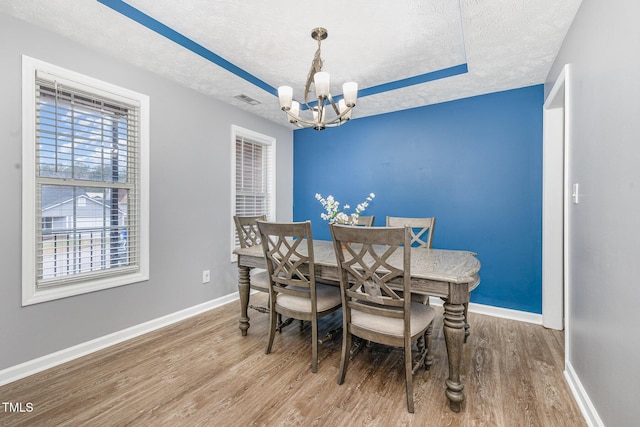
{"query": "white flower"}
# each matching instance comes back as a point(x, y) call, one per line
point(333, 214)
point(342, 218)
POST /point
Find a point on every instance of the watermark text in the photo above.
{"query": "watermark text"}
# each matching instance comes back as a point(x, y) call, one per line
point(17, 407)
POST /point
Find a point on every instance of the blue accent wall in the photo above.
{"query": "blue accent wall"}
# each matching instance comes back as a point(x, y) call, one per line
point(475, 164)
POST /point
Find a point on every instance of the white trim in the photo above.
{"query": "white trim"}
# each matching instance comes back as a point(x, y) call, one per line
point(30, 293)
point(504, 313)
point(556, 112)
point(582, 398)
point(568, 109)
point(29, 66)
point(553, 205)
point(40, 364)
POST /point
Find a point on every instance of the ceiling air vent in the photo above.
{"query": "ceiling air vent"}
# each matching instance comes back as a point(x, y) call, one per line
point(247, 99)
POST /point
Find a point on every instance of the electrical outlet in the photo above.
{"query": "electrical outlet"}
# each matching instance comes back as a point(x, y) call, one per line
point(206, 276)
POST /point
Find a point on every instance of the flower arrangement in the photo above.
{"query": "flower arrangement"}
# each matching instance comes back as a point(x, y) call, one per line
point(334, 214)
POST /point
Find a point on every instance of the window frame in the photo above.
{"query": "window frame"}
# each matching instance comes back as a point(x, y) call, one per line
point(31, 293)
point(258, 138)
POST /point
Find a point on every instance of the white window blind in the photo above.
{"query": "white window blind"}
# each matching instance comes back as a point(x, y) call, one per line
point(87, 186)
point(253, 180)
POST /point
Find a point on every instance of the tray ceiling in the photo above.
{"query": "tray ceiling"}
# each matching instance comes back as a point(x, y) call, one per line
point(402, 54)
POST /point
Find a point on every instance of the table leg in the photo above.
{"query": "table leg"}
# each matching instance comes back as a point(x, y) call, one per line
point(454, 332)
point(467, 330)
point(243, 290)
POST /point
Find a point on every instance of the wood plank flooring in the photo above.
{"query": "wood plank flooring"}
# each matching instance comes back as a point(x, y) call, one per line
point(202, 372)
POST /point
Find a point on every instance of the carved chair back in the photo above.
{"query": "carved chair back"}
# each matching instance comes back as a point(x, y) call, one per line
point(288, 250)
point(247, 229)
point(421, 229)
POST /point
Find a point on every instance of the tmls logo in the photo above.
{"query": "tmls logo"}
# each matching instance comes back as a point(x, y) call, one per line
point(17, 407)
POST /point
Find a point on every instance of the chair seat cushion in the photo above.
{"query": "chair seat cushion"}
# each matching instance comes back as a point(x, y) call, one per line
point(421, 316)
point(327, 297)
point(260, 281)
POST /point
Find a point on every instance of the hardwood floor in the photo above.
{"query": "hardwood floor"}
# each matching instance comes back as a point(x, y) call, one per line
point(203, 372)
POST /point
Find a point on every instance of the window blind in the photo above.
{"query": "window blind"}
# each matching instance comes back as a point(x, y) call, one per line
point(253, 178)
point(87, 183)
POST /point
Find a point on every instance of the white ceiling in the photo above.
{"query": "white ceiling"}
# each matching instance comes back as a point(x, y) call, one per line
point(224, 48)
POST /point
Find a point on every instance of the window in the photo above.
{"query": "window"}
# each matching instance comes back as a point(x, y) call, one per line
point(253, 177)
point(85, 184)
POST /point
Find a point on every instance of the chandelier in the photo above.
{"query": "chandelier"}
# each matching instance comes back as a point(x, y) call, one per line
point(322, 83)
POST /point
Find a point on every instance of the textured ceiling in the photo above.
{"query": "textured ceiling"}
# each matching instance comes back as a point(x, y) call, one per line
point(393, 49)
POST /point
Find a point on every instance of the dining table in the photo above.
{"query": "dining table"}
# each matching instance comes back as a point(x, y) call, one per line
point(448, 274)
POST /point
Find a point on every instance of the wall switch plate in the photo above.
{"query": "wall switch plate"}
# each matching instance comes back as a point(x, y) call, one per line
point(206, 276)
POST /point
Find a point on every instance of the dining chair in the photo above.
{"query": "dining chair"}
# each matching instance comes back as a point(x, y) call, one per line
point(421, 228)
point(367, 221)
point(375, 262)
point(249, 235)
point(293, 291)
point(421, 236)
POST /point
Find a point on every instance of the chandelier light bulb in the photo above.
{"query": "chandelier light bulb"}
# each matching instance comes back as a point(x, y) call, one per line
point(350, 93)
point(342, 106)
point(295, 111)
point(322, 82)
point(318, 118)
point(285, 95)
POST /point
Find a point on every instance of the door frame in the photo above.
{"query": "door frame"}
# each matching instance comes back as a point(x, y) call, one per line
point(555, 203)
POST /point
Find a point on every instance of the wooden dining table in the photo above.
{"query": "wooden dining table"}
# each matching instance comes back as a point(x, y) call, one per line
point(449, 274)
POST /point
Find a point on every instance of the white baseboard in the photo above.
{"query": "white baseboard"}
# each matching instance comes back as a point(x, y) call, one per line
point(582, 398)
point(45, 362)
point(40, 364)
point(505, 313)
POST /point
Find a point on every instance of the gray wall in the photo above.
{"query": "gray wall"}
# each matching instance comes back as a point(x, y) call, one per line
point(604, 343)
point(190, 224)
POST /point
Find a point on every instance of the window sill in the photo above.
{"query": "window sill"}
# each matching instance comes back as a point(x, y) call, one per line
point(34, 296)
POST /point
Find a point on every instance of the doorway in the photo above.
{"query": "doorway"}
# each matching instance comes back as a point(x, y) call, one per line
point(555, 203)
